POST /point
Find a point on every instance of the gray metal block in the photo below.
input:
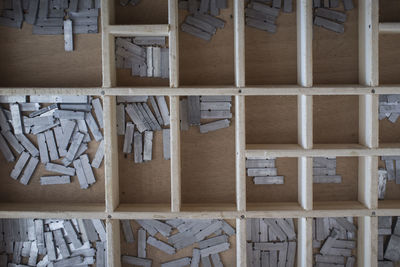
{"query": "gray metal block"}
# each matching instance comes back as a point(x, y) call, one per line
point(215, 114)
point(195, 258)
point(328, 24)
point(80, 174)
point(138, 147)
point(133, 114)
point(262, 172)
point(142, 243)
point(204, 6)
point(22, 160)
point(261, 25)
point(68, 36)
point(29, 170)
point(166, 144)
point(255, 230)
point(149, 40)
point(5, 150)
point(44, 156)
point(216, 260)
point(51, 145)
point(195, 32)
point(390, 168)
point(127, 148)
point(69, 114)
point(120, 119)
point(329, 259)
point(201, 24)
point(287, 6)
point(165, 63)
point(216, 22)
point(214, 10)
point(213, 241)
point(132, 48)
point(127, 230)
point(151, 116)
point(227, 228)
point(222, 4)
point(177, 263)
point(260, 163)
point(98, 157)
point(73, 149)
point(72, 234)
point(94, 129)
point(16, 118)
point(214, 126)
point(277, 4)
point(148, 146)
point(287, 229)
point(53, 180)
point(60, 169)
point(69, 262)
point(100, 229)
point(98, 110)
point(137, 261)
point(275, 229)
point(265, 9)
point(214, 249)
point(193, 110)
point(161, 245)
point(327, 179)
point(215, 106)
point(348, 4)
point(87, 169)
point(343, 222)
point(331, 14)
point(162, 104)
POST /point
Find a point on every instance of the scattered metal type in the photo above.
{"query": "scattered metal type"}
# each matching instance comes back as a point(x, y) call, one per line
point(62, 135)
point(270, 242)
point(147, 115)
point(210, 113)
point(263, 171)
point(391, 172)
point(52, 242)
point(388, 241)
point(336, 240)
point(262, 15)
point(389, 107)
point(202, 21)
point(147, 60)
point(54, 17)
point(209, 238)
point(327, 14)
point(324, 171)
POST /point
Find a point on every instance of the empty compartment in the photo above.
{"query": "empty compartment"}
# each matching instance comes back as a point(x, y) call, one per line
point(335, 241)
point(38, 242)
point(271, 242)
point(388, 241)
point(271, 180)
point(389, 11)
point(271, 120)
point(40, 60)
point(342, 185)
point(271, 58)
point(335, 55)
point(78, 165)
point(389, 124)
point(389, 57)
point(144, 168)
point(389, 180)
point(335, 119)
point(204, 62)
point(208, 153)
point(131, 12)
point(142, 61)
point(216, 236)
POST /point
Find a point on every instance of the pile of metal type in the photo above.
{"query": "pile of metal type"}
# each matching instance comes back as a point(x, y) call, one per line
point(214, 111)
point(327, 16)
point(52, 242)
point(270, 242)
point(389, 107)
point(324, 171)
point(263, 171)
point(144, 56)
point(52, 17)
point(391, 172)
point(262, 15)
point(388, 241)
point(336, 240)
point(144, 121)
point(202, 21)
point(210, 238)
point(61, 130)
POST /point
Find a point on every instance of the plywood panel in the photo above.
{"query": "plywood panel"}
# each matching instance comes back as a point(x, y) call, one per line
point(40, 61)
point(271, 120)
point(347, 167)
point(228, 258)
point(336, 55)
point(207, 63)
point(146, 12)
point(271, 58)
point(335, 119)
point(389, 59)
point(389, 11)
point(287, 192)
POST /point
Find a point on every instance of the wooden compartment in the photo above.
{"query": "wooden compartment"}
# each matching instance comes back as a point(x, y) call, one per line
point(146, 184)
point(347, 190)
point(389, 59)
point(271, 120)
point(389, 132)
point(335, 120)
point(389, 11)
point(268, 196)
point(124, 76)
point(272, 58)
point(335, 56)
point(228, 257)
point(392, 194)
point(207, 63)
point(146, 12)
point(208, 167)
point(15, 194)
point(28, 60)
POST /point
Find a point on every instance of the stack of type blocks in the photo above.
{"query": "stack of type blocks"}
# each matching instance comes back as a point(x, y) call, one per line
point(390, 173)
point(324, 171)
point(62, 133)
point(263, 171)
point(334, 239)
point(146, 121)
point(389, 107)
point(53, 242)
point(388, 241)
point(326, 17)
point(271, 242)
point(209, 238)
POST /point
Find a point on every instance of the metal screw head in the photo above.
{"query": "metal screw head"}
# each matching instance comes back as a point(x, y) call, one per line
point(109, 216)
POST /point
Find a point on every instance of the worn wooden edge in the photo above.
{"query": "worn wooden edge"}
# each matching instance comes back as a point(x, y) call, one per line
point(239, 42)
point(241, 242)
point(305, 183)
point(368, 181)
point(305, 121)
point(114, 243)
point(304, 245)
point(240, 146)
point(389, 27)
point(176, 199)
point(173, 20)
point(304, 43)
point(137, 30)
point(367, 238)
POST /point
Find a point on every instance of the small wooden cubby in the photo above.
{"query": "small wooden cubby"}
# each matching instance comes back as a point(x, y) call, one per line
point(320, 99)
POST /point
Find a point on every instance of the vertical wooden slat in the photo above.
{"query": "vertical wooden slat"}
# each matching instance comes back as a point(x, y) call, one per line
point(305, 121)
point(241, 242)
point(304, 246)
point(113, 243)
point(239, 35)
point(368, 120)
point(111, 153)
point(108, 46)
point(367, 241)
point(240, 142)
point(175, 155)
point(368, 41)
point(173, 43)
point(305, 183)
point(304, 43)
point(368, 181)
